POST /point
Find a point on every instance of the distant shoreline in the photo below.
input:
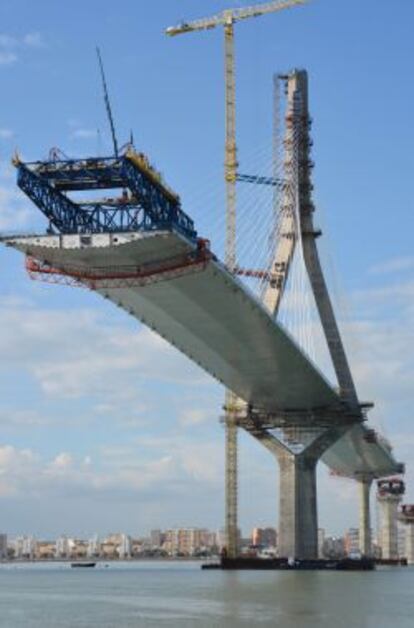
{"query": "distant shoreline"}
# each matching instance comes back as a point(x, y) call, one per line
point(135, 559)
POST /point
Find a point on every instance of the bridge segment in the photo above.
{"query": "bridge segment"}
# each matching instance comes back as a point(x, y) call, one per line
point(189, 298)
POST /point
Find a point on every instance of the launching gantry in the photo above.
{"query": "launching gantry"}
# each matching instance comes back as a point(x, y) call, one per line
point(146, 201)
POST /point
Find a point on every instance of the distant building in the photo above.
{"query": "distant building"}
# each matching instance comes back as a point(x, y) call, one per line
point(78, 548)
point(24, 547)
point(352, 542)
point(17, 545)
point(321, 541)
point(109, 549)
point(156, 539)
point(62, 549)
point(333, 547)
point(187, 541)
point(45, 550)
point(94, 547)
point(221, 538)
point(3, 546)
point(125, 546)
point(29, 547)
point(264, 537)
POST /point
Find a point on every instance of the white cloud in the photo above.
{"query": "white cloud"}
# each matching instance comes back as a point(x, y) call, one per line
point(7, 41)
point(195, 416)
point(33, 40)
point(396, 264)
point(79, 354)
point(16, 465)
point(15, 211)
point(23, 418)
point(10, 46)
point(62, 461)
point(84, 134)
point(6, 134)
point(175, 465)
point(7, 57)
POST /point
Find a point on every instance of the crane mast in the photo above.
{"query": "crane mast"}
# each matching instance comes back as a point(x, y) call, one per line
point(227, 19)
point(230, 148)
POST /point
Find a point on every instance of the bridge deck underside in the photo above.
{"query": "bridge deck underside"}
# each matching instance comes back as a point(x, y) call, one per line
point(211, 317)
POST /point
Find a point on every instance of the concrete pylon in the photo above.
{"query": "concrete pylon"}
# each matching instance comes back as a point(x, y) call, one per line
point(390, 494)
point(365, 541)
point(298, 512)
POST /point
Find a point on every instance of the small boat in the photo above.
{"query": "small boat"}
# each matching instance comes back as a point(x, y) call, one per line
point(81, 564)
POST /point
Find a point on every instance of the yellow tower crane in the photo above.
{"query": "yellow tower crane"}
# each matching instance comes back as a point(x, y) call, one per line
point(227, 19)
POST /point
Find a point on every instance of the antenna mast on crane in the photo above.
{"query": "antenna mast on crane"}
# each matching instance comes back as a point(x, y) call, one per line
point(227, 19)
point(108, 103)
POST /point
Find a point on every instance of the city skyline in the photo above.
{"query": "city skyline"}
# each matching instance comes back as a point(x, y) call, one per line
point(132, 433)
point(190, 542)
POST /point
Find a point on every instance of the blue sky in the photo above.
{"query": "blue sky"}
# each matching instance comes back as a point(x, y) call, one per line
point(103, 427)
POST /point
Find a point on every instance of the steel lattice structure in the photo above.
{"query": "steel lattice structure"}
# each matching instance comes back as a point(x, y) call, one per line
point(146, 203)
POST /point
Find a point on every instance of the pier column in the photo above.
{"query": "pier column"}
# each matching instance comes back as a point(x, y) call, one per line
point(389, 530)
point(298, 513)
point(409, 543)
point(365, 543)
point(406, 516)
point(390, 494)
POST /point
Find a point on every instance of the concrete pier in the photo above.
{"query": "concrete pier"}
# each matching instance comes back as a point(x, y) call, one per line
point(298, 512)
point(298, 517)
point(365, 541)
point(406, 516)
point(390, 493)
point(409, 543)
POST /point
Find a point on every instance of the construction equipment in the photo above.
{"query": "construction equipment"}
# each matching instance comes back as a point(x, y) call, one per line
point(227, 19)
point(146, 202)
point(107, 103)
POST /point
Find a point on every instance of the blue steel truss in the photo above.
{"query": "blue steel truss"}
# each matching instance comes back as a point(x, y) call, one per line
point(146, 204)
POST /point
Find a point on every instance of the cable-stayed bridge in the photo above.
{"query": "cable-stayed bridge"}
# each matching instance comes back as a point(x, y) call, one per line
point(141, 252)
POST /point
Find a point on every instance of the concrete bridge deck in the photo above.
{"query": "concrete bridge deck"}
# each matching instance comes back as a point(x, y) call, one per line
point(190, 299)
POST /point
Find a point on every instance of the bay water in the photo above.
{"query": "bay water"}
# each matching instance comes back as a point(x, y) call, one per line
point(181, 595)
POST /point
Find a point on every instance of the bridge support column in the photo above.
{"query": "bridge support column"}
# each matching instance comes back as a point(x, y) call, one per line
point(365, 543)
point(298, 513)
point(409, 543)
point(298, 510)
point(390, 494)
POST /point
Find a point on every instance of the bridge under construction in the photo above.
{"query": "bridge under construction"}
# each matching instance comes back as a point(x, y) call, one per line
point(141, 251)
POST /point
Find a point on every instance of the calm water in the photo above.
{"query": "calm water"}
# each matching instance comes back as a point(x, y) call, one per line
point(181, 595)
